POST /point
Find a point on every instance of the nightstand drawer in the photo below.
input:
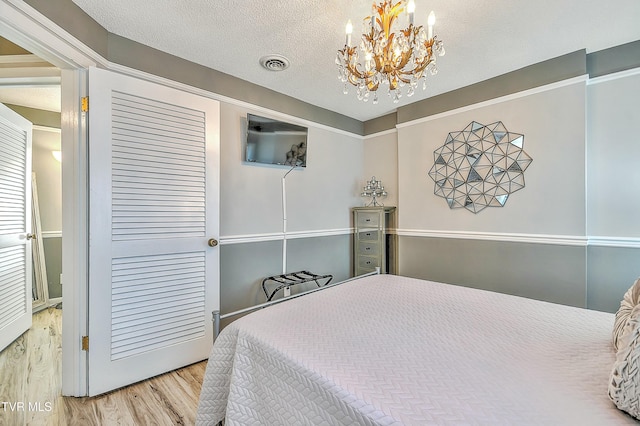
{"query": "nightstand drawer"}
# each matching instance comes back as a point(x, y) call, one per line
point(368, 235)
point(368, 219)
point(368, 262)
point(369, 248)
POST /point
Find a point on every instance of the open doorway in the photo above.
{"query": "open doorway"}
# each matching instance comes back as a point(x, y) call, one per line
point(31, 87)
point(47, 186)
point(30, 30)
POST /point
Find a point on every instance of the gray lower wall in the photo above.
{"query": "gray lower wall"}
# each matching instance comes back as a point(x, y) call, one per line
point(552, 273)
point(549, 272)
point(610, 273)
point(244, 266)
point(594, 277)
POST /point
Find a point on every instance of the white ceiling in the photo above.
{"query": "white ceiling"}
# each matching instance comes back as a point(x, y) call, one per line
point(26, 80)
point(483, 38)
point(46, 98)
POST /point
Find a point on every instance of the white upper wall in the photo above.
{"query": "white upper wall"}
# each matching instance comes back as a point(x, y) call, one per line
point(553, 199)
point(48, 179)
point(613, 117)
point(319, 197)
point(381, 161)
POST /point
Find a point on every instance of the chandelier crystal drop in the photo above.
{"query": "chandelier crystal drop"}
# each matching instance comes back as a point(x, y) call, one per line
point(386, 55)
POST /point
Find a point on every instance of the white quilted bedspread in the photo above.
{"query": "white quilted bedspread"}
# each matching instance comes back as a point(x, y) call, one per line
point(389, 350)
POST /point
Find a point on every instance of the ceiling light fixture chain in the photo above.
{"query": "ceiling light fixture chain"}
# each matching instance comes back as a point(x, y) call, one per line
point(393, 58)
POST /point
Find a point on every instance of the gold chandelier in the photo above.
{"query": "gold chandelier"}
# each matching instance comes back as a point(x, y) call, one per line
point(389, 56)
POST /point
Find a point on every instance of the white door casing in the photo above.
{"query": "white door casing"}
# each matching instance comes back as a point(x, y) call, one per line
point(15, 224)
point(154, 204)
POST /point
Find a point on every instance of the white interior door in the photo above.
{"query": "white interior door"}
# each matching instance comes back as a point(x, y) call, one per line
point(154, 203)
point(15, 224)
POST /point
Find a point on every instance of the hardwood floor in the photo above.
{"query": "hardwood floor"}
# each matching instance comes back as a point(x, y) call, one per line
point(30, 387)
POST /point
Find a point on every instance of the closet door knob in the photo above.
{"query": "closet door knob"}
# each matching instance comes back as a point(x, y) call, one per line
point(31, 236)
point(212, 242)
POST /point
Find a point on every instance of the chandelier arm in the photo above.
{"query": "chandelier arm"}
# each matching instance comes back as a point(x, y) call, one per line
point(347, 53)
point(404, 60)
point(420, 66)
point(353, 69)
point(361, 75)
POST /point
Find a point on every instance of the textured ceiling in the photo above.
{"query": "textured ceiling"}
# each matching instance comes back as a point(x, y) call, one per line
point(483, 38)
point(26, 80)
point(46, 98)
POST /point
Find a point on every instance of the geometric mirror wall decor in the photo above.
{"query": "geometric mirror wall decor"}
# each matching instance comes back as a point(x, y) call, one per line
point(479, 167)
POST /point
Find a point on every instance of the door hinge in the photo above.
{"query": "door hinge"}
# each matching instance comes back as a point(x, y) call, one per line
point(85, 103)
point(85, 343)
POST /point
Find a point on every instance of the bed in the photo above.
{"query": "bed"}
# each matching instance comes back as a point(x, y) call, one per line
point(390, 350)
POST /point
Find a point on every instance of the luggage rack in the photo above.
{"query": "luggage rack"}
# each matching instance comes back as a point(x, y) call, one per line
point(291, 279)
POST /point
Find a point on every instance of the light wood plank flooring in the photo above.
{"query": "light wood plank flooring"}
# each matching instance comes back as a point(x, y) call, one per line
point(30, 387)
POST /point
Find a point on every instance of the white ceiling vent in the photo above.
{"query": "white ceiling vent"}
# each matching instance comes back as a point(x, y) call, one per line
point(274, 62)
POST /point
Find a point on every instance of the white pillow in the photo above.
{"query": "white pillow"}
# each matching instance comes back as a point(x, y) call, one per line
point(630, 300)
point(624, 385)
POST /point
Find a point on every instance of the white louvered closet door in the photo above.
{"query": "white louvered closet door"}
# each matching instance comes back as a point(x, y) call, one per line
point(15, 224)
point(154, 202)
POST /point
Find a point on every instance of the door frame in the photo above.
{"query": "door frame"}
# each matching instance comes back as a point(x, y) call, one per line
point(23, 25)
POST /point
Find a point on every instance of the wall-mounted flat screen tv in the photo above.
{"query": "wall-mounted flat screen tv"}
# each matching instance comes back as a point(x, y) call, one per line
point(275, 142)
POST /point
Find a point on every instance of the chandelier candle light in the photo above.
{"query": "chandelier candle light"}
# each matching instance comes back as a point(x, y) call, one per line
point(395, 58)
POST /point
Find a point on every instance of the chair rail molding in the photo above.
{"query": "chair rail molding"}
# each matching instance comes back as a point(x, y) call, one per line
point(565, 240)
point(277, 236)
